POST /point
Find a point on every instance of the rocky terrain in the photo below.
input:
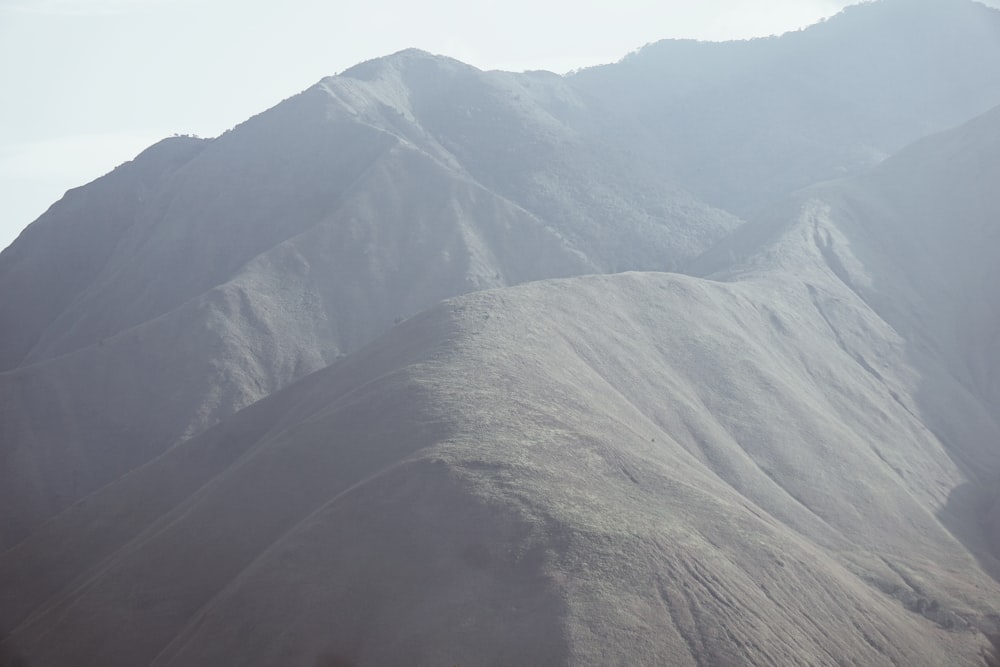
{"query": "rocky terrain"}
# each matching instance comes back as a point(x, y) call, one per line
point(429, 365)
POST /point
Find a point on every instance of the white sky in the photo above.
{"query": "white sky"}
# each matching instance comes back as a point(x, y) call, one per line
point(87, 84)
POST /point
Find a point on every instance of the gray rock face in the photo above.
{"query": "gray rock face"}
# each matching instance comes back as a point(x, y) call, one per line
point(240, 426)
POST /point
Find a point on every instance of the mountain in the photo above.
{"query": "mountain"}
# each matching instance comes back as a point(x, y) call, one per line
point(240, 425)
point(764, 466)
point(206, 274)
point(225, 269)
point(742, 123)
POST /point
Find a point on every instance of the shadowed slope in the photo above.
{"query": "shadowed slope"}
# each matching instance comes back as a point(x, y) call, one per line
point(295, 238)
point(435, 125)
point(796, 462)
point(52, 263)
point(225, 269)
point(793, 465)
point(917, 240)
point(641, 468)
point(745, 123)
point(281, 316)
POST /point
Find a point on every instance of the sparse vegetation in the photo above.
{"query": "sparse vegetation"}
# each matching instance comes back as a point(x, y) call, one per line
point(746, 463)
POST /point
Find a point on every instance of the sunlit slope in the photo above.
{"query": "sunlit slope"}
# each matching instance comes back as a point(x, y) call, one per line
point(793, 461)
point(207, 274)
point(371, 157)
point(286, 312)
point(792, 458)
point(916, 239)
point(638, 468)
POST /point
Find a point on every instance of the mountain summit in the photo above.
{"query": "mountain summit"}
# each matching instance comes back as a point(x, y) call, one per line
point(430, 365)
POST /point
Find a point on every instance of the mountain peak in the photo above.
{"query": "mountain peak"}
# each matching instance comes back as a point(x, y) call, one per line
point(914, 9)
point(401, 61)
point(228, 352)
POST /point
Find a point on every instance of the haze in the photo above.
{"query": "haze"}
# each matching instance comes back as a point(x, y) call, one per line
point(87, 85)
point(688, 359)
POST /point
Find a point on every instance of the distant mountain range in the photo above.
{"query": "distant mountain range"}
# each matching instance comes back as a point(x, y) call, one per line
point(689, 359)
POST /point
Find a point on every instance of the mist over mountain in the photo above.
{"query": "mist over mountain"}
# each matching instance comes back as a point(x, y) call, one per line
point(643, 467)
point(740, 122)
point(345, 384)
point(284, 244)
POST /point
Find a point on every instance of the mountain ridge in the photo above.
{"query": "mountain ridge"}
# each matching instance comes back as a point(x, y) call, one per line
point(766, 371)
point(326, 240)
point(500, 471)
point(332, 384)
point(838, 83)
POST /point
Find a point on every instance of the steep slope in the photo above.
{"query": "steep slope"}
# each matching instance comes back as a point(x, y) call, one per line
point(915, 238)
point(790, 463)
point(239, 264)
point(440, 125)
point(743, 123)
point(50, 264)
point(285, 313)
point(207, 274)
point(637, 469)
